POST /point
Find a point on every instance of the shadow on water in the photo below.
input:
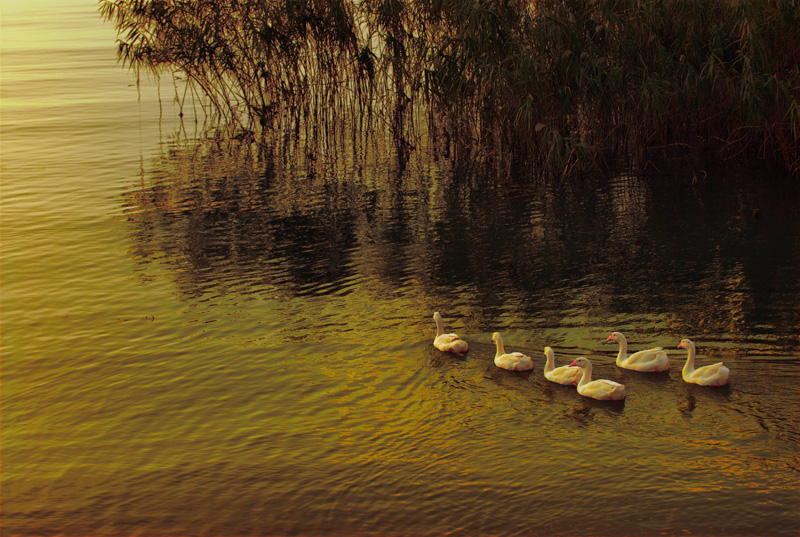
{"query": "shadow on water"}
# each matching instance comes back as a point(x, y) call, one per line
point(653, 380)
point(708, 394)
point(439, 359)
point(585, 410)
point(221, 213)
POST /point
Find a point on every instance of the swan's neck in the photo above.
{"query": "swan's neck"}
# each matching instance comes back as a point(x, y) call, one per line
point(623, 350)
point(500, 348)
point(439, 326)
point(550, 364)
point(587, 375)
point(688, 368)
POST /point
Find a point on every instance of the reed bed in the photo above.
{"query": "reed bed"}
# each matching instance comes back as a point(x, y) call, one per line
point(552, 85)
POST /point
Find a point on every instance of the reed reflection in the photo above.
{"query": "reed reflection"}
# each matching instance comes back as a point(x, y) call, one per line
point(224, 216)
point(221, 215)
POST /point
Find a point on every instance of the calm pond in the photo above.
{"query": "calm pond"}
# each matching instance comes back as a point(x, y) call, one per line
point(200, 338)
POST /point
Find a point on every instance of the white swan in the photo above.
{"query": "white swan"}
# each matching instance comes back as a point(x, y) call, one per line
point(448, 342)
point(708, 375)
point(653, 360)
point(566, 374)
point(515, 361)
point(602, 389)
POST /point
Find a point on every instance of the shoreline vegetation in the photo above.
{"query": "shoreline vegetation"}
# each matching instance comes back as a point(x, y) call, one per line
point(553, 86)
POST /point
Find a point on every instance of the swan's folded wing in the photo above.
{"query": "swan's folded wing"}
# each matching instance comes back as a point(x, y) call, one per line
point(514, 360)
point(447, 339)
point(711, 370)
point(609, 383)
point(521, 361)
point(505, 361)
point(564, 373)
point(645, 355)
point(450, 342)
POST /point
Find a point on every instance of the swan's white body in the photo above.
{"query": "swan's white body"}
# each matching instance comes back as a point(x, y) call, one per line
point(602, 389)
point(566, 374)
point(708, 375)
point(448, 342)
point(652, 360)
point(514, 361)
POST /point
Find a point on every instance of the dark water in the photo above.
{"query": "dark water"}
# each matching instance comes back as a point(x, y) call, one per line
point(201, 338)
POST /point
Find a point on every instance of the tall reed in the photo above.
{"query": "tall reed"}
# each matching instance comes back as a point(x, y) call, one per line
point(554, 85)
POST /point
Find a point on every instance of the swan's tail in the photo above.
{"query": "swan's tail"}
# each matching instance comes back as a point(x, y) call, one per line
point(617, 393)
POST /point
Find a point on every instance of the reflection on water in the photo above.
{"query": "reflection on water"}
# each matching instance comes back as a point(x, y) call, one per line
point(630, 245)
point(208, 338)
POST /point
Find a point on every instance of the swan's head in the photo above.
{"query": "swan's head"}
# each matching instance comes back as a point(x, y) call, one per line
point(615, 336)
point(686, 344)
point(496, 337)
point(581, 362)
point(548, 351)
point(436, 316)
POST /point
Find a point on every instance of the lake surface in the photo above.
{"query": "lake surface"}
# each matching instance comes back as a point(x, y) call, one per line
point(201, 338)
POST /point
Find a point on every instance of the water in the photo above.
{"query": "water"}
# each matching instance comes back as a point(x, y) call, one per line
point(200, 339)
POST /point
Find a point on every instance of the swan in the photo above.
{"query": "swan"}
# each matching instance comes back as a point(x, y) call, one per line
point(448, 342)
point(708, 375)
point(651, 360)
point(515, 361)
point(566, 374)
point(602, 389)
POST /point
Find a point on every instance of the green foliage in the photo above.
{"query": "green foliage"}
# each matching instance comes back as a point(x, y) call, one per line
point(557, 85)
